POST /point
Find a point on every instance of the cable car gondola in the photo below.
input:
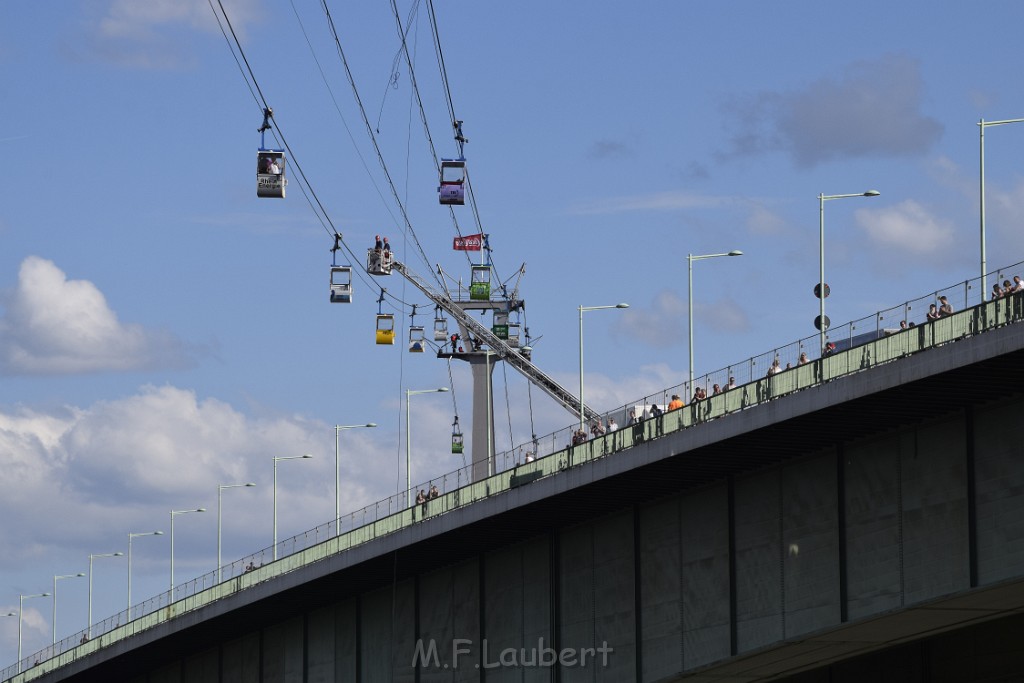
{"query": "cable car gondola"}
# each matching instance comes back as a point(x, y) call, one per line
point(270, 175)
point(416, 339)
point(452, 190)
point(385, 328)
point(440, 329)
point(456, 436)
point(499, 325)
point(513, 335)
point(341, 284)
point(480, 284)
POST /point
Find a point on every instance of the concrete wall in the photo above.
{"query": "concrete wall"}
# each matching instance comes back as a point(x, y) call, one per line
point(858, 529)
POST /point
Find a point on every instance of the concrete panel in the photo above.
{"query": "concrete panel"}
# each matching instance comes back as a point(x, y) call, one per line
point(241, 659)
point(537, 626)
point(449, 623)
point(203, 668)
point(320, 646)
point(283, 652)
point(705, 576)
point(661, 620)
point(436, 626)
point(597, 600)
point(465, 609)
point(345, 640)
point(387, 644)
point(810, 539)
point(935, 544)
point(171, 673)
point(504, 593)
point(615, 600)
point(999, 486)
point(758, 561)
point(576, 592)
point(873, 526)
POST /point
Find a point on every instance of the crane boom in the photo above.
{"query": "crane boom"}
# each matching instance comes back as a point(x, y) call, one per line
point(507, 353)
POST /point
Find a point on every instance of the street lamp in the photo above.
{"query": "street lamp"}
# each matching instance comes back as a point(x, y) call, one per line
point(88, 631)
point(287, 457)
point(583, 415)
point(21, 610)
point(177, 512)
point(690, 258)
point(130, 537)
point(822, 198)
point(337, 473)
point(982, 125)
point(408, 443)
point(220, 488)
point(53, 620)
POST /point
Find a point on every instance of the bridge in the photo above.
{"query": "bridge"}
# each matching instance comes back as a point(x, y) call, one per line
point(859, 514)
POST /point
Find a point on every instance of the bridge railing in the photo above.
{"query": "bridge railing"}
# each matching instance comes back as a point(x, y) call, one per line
point(555, 453)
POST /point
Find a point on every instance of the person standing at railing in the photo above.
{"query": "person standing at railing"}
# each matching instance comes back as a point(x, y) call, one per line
point(676, 403)
point(945, 308)
point(997, 291)
point(1018, 284)
point(933, 312)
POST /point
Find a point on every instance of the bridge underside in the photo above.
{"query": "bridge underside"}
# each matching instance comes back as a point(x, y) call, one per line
point(863, 514)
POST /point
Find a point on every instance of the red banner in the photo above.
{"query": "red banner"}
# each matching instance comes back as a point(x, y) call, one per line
point(468, 243)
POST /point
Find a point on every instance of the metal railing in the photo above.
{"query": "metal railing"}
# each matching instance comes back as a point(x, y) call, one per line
point(881, 338)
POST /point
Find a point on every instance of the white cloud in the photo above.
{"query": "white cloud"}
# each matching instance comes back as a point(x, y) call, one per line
point(53, 325)
point(907, 228)
point(874, 110)
point(149, 34)
point(131, 460)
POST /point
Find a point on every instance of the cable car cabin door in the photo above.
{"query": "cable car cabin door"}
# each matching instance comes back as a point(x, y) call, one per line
point(270, 177)
point(386, 329)
point(452, 190)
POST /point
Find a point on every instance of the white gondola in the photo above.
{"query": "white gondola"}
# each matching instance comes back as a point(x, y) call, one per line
point(378, 261)
point(270, 175)
point(452, 190)
point(341, 284)
point(441, 329)
point(416, 342)
point(513, 335)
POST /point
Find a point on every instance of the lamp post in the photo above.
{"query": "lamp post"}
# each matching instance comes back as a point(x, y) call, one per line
point(177, 512)
point(130, 537)
point(53, 619)
point(982, 125)
point(220, 488)
point(690, 258)
point(337, 473)
point(583, 415)
point(21, 610)
point(409, 393)
point(88, 631)
point(276, 460)
point(822, 198)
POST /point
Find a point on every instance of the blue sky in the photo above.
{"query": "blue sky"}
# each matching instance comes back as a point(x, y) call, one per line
point(163, 331)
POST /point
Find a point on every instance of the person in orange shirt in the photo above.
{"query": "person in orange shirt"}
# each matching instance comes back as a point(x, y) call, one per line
point(676, 403)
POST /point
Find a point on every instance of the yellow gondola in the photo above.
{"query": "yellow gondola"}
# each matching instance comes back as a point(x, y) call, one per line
point(386, 329)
